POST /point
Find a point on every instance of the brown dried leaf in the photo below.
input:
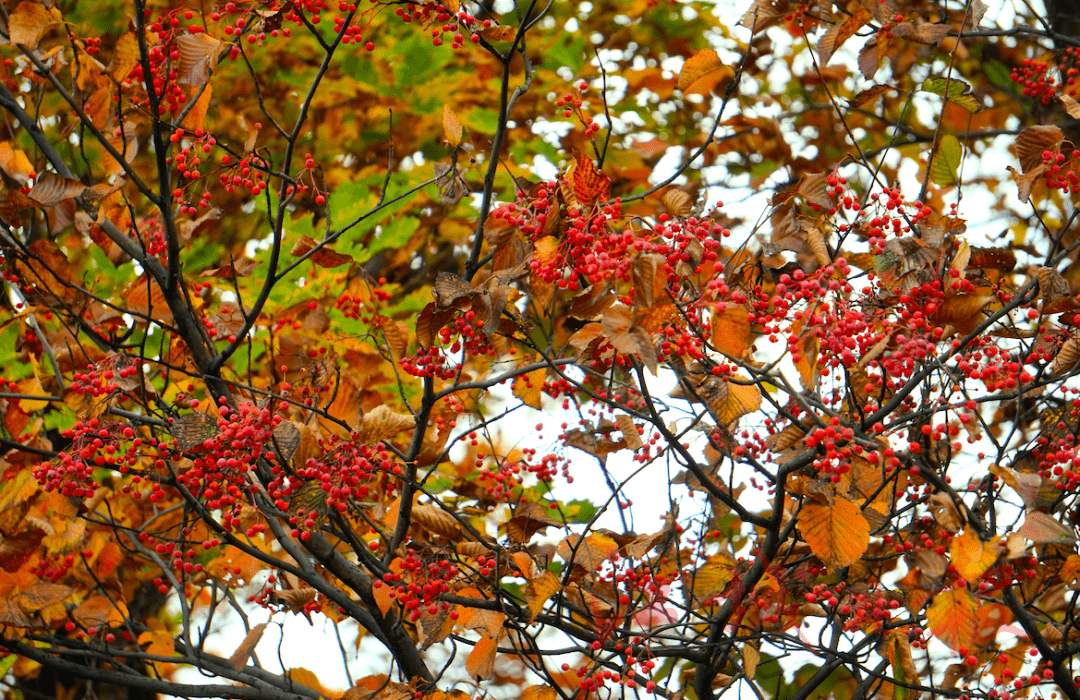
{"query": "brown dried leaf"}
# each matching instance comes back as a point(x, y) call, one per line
point(239, 658)
point(629, 431)
point(1032, 141)
point(437, 520)
point(529, 519)
point(243, 267)
point(1071, 106)
point(837, 34)
point(50, 189)
point(198, 58)
point(381, 423)
point(324, 257)
point(1066, 357)
point(192, 430)
point(945, 512)
point(678, 201)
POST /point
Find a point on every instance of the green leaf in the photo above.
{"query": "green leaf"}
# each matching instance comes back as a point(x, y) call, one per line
point(946, 165)
point(579, 511)
point(953, 90)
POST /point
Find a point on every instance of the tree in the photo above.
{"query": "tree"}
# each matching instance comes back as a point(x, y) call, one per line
point(285, 280)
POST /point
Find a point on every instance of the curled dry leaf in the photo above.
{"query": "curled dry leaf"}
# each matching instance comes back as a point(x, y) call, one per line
point(1066, 357)
point(1032, 141)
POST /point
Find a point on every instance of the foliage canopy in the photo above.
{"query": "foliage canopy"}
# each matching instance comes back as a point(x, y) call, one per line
point(288, 283)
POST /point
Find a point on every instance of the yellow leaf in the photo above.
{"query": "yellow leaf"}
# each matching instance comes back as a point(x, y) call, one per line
point(539, 590)
point(733, 401)
point(712, 576)
point(305, 677)
point(31, 386)
point(14, 163)
point(125, 57)
point(481, 661)
point(971, 556)
point(529, 387)
point(838, 534)
point(451, 127)
point(590, 553)
point(951, 617)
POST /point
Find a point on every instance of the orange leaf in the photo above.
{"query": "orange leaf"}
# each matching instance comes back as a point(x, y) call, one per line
point(305, 677)
point(451, 127)
point(701, 73)
point(539, 692)
point(14, 163)
point(838, 534)
point(125, 57)
point(481, 661)
point(731, 331)
point(971, 556)
point(590, 185)
point(951, 617)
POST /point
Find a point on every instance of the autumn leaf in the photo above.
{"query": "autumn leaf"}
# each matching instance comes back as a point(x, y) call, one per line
point(951, 617)
point(730, 401)
point(837, 533)
point(731, 330)
point(50, 189)
point(539, 591)
point(28, 23)
point(702, 72)
point(712, 576)
point(480, 663)
point(527, 520)
point(14, 163)
point(381, 422)
point(529, 388)
point(323, 257)
point(1043, 527)
point(590, 185)
point(971, 556)
point(839, 33)
point(451, 127)
point(1032, 141)
point(198, 58)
